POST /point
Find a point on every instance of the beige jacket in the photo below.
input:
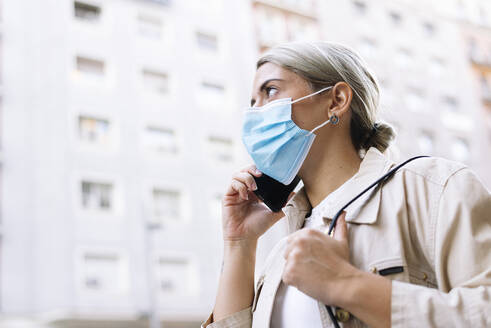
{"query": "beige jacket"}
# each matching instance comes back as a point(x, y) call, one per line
point(428, 229)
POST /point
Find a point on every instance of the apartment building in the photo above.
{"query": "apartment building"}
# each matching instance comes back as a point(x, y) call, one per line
point(1, 118)
point(474, 19)
point(120, 128)
point(123, 131)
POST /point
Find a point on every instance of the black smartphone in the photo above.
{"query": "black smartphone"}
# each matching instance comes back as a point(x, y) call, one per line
point(272, 192)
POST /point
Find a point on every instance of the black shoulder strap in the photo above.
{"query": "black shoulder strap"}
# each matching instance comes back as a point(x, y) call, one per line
point(383, 178)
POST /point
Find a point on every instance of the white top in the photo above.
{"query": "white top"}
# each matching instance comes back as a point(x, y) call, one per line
point(292, 308)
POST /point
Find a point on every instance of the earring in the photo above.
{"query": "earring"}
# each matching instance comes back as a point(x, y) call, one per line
point(334, 119)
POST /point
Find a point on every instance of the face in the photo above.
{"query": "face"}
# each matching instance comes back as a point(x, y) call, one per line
point(274, 82)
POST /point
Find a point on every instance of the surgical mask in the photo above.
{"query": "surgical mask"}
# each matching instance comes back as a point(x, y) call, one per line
point(276, 144)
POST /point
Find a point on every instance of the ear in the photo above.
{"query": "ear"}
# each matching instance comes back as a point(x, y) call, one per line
point(341, 99)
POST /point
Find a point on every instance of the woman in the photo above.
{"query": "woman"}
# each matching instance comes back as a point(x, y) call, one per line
point(413, 252)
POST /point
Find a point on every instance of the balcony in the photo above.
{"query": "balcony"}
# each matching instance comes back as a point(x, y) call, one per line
point(486, 97)
point(160, 2)
point(480, 61)
point(308, 11)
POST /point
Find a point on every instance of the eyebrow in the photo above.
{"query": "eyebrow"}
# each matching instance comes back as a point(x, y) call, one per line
point(263, 86)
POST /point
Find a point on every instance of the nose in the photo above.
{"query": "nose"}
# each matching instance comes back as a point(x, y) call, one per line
point(259, 102)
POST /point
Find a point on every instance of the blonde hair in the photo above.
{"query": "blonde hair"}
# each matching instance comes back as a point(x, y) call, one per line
point(324, 64)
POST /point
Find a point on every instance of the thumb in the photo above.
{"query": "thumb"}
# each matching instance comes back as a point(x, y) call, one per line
point(290, 196)
point(341, 228)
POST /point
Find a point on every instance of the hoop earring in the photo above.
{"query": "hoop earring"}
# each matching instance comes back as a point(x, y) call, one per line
point(334, 119)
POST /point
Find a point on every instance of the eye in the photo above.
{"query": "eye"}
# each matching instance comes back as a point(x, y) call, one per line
point(271, 91)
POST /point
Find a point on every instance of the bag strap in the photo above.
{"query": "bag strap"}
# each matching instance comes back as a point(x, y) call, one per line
point(383, 178)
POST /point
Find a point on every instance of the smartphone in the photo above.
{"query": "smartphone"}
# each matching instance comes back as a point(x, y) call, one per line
point(272, 192)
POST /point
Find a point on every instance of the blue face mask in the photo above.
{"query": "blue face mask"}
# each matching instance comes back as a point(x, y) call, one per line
point(276, 144)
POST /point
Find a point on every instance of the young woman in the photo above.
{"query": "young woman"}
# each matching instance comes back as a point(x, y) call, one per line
point(412, 252)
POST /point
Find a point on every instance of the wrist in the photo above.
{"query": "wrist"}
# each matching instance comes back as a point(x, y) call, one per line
point(239, 250)
point(240, 244)
point(344, 289)
point(367, 296)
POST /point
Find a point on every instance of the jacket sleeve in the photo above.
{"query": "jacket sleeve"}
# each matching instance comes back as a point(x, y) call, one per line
point(241, 319)
point(461, 249)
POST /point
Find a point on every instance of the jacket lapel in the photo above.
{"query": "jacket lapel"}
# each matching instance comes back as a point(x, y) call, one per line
point(365, 209)
point(362, 211)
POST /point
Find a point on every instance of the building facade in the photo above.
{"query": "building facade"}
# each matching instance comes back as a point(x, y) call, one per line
point(120, 128)
point(123, 131)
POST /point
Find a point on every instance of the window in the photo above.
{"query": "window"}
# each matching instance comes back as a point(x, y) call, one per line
point(425, 142)
point(304, 5)
point(212, 89)
point(207, 41)
point(161, 2)
point(414, 100)
point(176, 277)
point(97, 196)
point(473, 49)
point(453, 117)
point(89, 66)
point(216, 206)
point(302, 29)
point(429, 28)
point(211, 94)
point(437, 66)
point(150, 26)
point(87, 12)
point(160, 140)
point(483, 15)
point(156, 82)
point(460, 149)
point(166, 204)
point(450, 104)
point(367, 47)
point(103, 272)
point(403, 58)
point(93, 130)
point(360, 6)
point(485, 88)
point(272, 27)
point(395, 17)
point(221, 149)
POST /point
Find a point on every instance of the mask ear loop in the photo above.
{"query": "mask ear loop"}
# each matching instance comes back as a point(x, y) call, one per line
point(320, 126)
point(312, 94)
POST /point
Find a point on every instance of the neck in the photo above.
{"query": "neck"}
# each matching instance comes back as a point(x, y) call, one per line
point(328, 168)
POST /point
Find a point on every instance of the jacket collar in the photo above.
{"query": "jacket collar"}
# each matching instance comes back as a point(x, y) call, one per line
point(363, 211)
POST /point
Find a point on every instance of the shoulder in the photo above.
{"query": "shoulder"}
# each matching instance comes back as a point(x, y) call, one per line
point(434, 170)
point(445, 181)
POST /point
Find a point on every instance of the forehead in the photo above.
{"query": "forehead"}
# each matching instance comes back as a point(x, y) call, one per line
point(272, 71)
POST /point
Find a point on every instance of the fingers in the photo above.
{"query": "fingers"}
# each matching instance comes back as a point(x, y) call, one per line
point(290, 196)
point(300, 239)
point(240, 188)
point(246, 179)
point(252, 170)
point(290, 274)
point(243, 182)
point(341, 228)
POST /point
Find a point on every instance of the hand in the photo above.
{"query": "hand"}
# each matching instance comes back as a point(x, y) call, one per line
point(317, 264)
point(244, 216)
